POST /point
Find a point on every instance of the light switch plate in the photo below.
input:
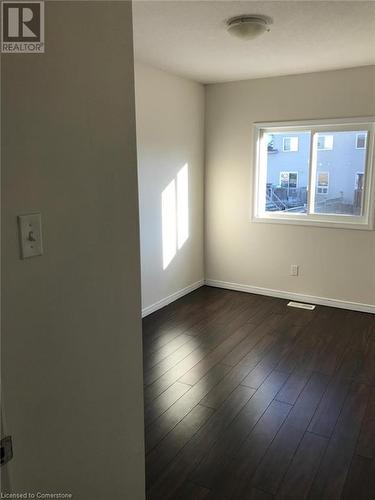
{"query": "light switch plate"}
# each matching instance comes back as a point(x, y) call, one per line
point(294, 270)
point(30, 228)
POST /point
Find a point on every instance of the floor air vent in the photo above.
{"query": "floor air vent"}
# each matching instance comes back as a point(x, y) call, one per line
point(301, 305)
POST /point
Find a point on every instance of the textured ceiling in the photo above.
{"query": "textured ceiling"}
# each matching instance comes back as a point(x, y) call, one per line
point(188, 38)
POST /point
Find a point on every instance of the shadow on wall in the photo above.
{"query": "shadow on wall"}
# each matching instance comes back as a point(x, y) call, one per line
point(175, 215)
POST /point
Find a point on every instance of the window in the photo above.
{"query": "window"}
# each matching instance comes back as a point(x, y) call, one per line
point(289, 180)
point(359, 181)
point(360, 141)
point(312, 186)
point(325, 142)
point(322, 182)
point(290, 144)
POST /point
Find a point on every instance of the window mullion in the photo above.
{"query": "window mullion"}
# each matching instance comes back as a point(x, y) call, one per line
point(312, 173)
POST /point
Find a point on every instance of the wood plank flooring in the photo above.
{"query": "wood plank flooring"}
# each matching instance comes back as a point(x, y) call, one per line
point(247, 399)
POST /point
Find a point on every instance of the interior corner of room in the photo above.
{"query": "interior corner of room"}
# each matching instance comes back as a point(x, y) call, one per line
point(206, 131)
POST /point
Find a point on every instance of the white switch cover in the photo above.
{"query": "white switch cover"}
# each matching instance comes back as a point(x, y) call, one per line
point(294, 269)
point(30, 227)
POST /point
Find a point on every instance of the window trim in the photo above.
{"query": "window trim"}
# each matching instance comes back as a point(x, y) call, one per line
point(290, 150)
point(356, 141)
point(365, 221)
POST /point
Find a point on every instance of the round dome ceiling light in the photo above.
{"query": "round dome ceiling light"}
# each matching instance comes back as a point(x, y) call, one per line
point(248, 27)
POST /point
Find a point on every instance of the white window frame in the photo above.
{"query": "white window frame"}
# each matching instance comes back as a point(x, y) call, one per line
point(356, 141)
point(288, 172)
point(320, 186)
point(259, 177)
point(290, 150)
point(325, 148)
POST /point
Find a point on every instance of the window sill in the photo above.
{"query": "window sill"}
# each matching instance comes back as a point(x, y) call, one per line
point(350, 223)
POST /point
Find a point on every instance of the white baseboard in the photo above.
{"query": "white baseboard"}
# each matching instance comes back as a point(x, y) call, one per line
point(299, 297)
point(171, 298)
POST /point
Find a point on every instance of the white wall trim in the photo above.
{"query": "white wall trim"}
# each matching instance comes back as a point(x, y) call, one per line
point(171, 298)
point(282, 294)
point(299, 297)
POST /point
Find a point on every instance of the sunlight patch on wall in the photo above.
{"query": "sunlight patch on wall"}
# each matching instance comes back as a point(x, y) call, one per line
point(175, 215)
point(182, 206)
point(168, 211)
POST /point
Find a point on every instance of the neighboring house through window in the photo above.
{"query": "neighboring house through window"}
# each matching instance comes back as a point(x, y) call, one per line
point(322, 182)
point(359, 181)
point(325, 142)
point(360, 141)
point(289, 180)
point(290, 144)
point(327, 181)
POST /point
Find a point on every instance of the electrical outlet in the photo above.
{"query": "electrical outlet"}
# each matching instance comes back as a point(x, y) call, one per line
point(294, 270)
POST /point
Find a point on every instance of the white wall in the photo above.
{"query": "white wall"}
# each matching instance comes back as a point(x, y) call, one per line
point(170, 134)
point(71, 332)
point(334, 263)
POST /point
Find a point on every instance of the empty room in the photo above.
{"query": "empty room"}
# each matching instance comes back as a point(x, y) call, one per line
point(188, 250)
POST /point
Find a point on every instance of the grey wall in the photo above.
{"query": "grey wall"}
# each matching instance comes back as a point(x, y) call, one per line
point(71, 338)
point(334, 263)
point(170, 134)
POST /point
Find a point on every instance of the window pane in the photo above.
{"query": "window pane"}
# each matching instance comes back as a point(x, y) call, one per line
point(293, 176)
point(361, 141)
point(284, 179)
point(290, 144)
point(325, 141)
point(286, 144)
point(340, 174)
point(323, 179)
point(287, 174)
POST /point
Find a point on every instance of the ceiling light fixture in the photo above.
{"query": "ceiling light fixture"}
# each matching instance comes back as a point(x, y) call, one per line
point(248, 27)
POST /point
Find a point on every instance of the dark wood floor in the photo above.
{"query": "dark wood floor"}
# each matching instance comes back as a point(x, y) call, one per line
point(248, 399)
